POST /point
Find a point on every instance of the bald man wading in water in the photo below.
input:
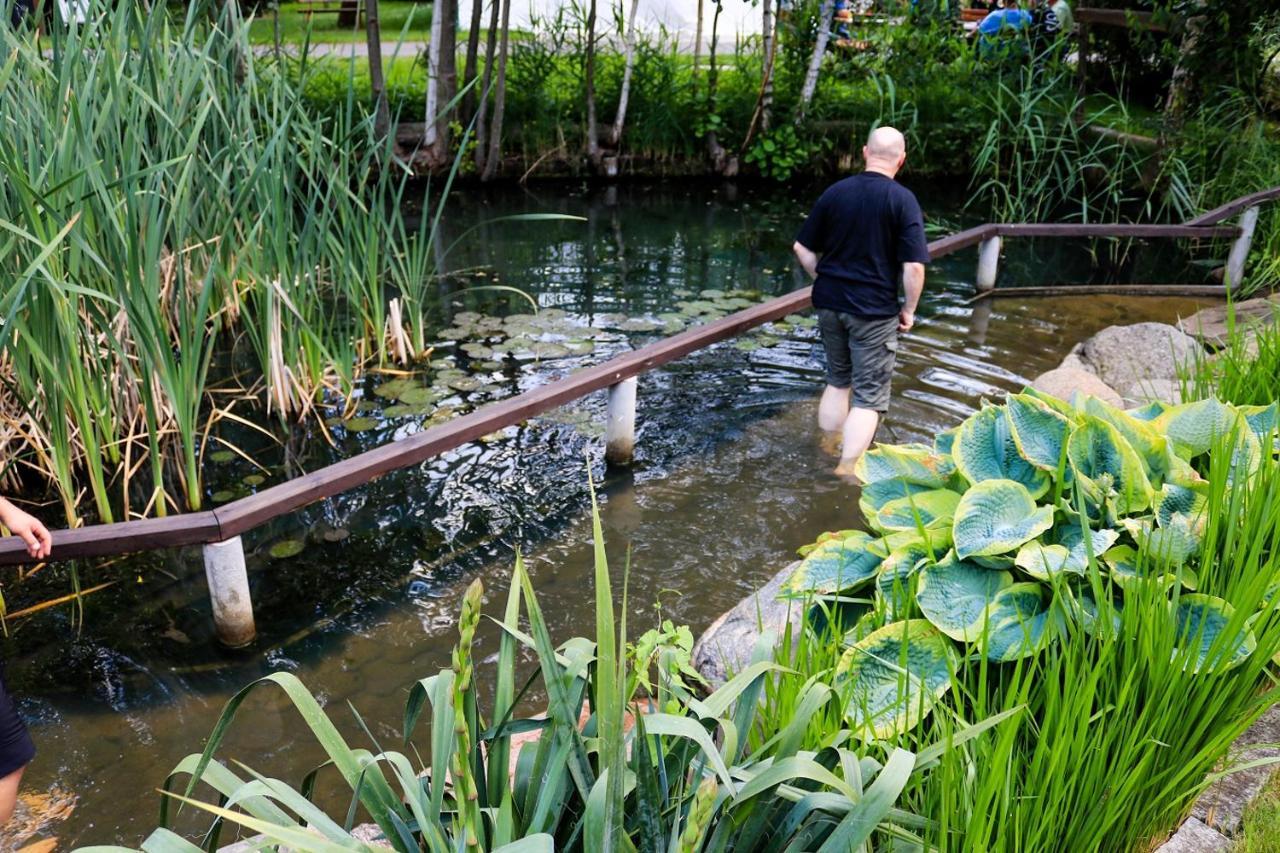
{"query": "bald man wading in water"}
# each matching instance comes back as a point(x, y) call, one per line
point(864, 232)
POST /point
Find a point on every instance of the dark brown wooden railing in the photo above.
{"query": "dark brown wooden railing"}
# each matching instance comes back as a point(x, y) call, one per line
point(234, 518)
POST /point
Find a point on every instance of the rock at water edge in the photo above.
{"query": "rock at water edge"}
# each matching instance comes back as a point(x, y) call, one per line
point(1123, 356)
point(1066, 382)
point(726, 646)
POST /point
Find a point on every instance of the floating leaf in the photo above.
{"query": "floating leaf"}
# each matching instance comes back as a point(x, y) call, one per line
point(1107, 467)
point(835, 566)
point(1020, 623)
point(221, 456)
point(418, 396)
point(926, 509)
point(910, 463)
point(894, 676)
point(359, 424)
point(955, 595)
point(1039, 431)
point(222, 496)
point(253, 479)
point(1202, 621)
point(985, 450)
point(286, 548)
point(996, 517)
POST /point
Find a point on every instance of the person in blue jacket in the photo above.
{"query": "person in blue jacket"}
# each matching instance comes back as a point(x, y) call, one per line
point(1003, 31)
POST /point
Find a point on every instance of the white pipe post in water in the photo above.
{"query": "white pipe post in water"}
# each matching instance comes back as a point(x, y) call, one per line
point(1240, 248)
point(229, 592)
point(620, 431)
point(988, 262)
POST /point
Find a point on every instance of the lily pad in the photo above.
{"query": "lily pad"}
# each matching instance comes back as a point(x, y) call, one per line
point(222, 456)
point(286, 548)
point(359, 424)
point(997, 517)
point(222, 496)
point(894, 676)
point(1202, 622)
point(253, 479)
point(464, 383)
point(418, 396)
point(834, 566)
point(956, 595)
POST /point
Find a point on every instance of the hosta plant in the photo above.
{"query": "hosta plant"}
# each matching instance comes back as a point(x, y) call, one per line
point(1014, 527)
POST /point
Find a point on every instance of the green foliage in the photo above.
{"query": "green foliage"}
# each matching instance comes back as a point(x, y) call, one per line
point(782, 151)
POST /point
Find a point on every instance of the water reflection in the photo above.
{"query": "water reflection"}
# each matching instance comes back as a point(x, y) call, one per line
point(728, 482)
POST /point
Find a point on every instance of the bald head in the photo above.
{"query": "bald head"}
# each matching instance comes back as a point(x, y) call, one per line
point(885, 151)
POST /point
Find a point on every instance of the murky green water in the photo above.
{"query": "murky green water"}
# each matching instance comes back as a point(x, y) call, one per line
point(728, 482)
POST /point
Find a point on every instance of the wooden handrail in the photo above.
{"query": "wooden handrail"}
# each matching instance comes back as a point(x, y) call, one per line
point(1123, 18)
point(234, 518)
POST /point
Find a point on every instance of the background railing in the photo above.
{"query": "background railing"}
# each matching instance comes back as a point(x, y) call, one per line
point(218, 530)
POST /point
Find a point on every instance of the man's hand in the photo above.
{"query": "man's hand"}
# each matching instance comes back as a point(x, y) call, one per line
point(906, 319)
point(28, 527)
point(807, 258)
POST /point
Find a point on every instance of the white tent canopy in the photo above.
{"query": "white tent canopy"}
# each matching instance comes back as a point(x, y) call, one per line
point(736, 16)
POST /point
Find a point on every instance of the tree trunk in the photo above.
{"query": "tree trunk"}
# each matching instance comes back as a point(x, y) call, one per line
point(714, 149)
point(815, 62)
point(589, 77)
point(382, 113)
point(697, 40)
point(349, 14)
point(628, 63)
point(1181, 81)
point(482, 110)
point(770, 47)
point(470, 70)
point(447, 81)
point(433, 75)
point(494, 158)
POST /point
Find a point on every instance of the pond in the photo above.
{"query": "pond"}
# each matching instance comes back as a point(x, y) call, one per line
point(358, 595)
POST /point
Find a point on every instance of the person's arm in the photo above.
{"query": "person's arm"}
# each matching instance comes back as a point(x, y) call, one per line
point(912, 287)
point(807, 258)
point(28, 527)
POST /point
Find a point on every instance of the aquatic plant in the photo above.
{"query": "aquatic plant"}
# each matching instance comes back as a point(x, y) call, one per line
point(608, 766)
point(1024, 521)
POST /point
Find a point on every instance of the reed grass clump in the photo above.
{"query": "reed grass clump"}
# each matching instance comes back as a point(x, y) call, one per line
point(170, 212)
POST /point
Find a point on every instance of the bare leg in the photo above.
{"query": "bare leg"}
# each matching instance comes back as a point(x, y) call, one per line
point(833, 410)
point(859, 430)
point(9, 794)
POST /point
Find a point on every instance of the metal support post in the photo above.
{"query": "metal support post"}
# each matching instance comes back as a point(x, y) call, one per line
point(229, 592)
point(620, 431)
point(1240, 249)
point(988, 262)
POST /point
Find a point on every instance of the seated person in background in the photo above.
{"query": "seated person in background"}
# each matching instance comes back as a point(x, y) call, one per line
point(1066, 20)
point(1046, 29)
point(1002, 29)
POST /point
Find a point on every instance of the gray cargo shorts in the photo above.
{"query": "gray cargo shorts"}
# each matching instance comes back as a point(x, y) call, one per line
point(861, 352)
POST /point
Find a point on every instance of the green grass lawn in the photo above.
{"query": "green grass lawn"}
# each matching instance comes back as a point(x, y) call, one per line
point(396, 15)
point(1260, 832)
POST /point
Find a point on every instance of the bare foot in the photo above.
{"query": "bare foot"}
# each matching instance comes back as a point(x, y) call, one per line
point(845, 469)
point(830, 443)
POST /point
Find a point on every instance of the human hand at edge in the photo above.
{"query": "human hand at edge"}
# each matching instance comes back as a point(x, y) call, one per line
point(28, 528)
point(906, 319)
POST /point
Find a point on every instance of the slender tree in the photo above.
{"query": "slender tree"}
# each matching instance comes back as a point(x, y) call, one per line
point(697, 40)
point(482, 110)
point(433, 75)
point(628, 64)
point(815, 61)
point(447, 77)
point(470, 69)
point(589, 76)
point(494, 158)
point(714, 149)
point(770, 45)
point(373, 31)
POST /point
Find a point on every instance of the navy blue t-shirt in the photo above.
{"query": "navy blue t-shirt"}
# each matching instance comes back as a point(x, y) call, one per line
point(865, 227)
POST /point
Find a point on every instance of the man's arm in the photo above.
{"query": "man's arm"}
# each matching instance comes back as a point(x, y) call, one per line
point(29, 528)
point(807, 258)
point(912, 286)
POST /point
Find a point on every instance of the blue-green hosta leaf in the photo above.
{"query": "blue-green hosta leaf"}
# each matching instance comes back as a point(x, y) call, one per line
point(835, 566)
point(1059, 405)
point(1195, 427)
point(1039, 431)
point(996, 517)
point(926, 509)
point(911, 463)
point(1020, 623)
point(1069, 554)
point(894, 676)
point(1107, 467)
point(1128, 570)
point(937, 538)
point(955, 595)
point(875, 495)
point(995, 561)
point(831, 535)
point(1173, 498)
point(1203, 621)
point(1150, 412)
point(1151, 446)
point(1171, 544)
point(944, 442)
point(1262, 420)
point(893, 579)
point(985, 450)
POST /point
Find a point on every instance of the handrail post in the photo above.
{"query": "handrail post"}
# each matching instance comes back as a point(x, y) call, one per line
point(228, 580)
point(1240, 248)
point(620, 431)
point(988, 262)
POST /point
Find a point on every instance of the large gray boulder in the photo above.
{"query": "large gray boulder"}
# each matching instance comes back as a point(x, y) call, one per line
point(726, 646)
point(1065, 382)
point(1126, 356)
point(1211, 325)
